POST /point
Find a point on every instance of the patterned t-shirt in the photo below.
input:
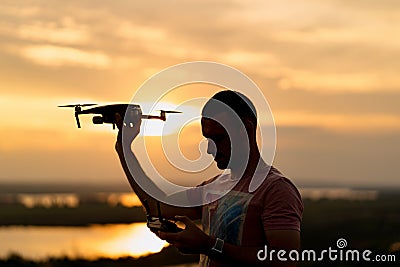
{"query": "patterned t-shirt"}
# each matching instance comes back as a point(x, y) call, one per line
point(242, 218)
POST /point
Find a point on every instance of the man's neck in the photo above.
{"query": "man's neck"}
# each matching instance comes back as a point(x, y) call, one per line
point(251, 167)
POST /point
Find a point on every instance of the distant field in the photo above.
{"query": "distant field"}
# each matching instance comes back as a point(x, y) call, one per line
point(17, 214)
point(167, 257)
point(365, 224)
point(373, 225)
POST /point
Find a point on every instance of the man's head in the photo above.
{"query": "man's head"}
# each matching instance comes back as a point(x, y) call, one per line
point(229, 122)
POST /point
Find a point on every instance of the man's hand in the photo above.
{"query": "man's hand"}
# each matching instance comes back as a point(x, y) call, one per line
point(192, 240)
point(131, 131)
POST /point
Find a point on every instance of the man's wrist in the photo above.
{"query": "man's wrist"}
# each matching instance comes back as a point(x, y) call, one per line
point(120, 147)
point(210, 244)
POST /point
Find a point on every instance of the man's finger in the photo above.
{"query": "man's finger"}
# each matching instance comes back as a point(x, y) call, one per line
point(118, 120)
point(184, 219)
point(170, 237)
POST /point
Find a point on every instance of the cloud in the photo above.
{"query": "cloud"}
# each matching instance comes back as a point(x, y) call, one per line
point(351, 35)
point(308, 45)
point(335, 81)
point(323, 46)
point(367, 124)
point(330, 66)
point(57, 56)
point(11, 9)
point(67, 32)
point(142, 33)
point(325, 157)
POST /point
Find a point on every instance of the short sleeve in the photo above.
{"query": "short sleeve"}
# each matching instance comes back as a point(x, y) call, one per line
point(282, 207)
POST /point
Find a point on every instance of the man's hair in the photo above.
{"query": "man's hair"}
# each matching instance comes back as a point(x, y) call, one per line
point(238, 102)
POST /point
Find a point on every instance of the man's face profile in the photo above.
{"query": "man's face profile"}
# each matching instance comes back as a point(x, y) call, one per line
point(221, 134)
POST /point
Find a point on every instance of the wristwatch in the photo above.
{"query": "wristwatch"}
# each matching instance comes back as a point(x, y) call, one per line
point(218, 246)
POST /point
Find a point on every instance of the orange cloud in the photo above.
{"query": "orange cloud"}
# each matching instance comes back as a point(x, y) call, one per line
point(57, 56)
point(68, 32)
point(345, 123)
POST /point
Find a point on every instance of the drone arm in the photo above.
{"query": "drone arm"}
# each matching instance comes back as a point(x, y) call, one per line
point(149, 117)
point(162, 115)
point(77, 120)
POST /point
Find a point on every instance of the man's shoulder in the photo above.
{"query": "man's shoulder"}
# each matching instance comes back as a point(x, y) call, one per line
point(272, 178)
point(277, 186)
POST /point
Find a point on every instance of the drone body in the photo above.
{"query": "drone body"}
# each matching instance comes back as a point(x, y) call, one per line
point(107, 113)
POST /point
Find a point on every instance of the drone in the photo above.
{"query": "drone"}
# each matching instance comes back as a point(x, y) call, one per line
point(108, 112)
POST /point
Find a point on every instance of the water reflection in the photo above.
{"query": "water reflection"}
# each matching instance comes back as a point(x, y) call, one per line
point(48, 200)
point(71, 200)
point(111, 241)
point(129, 199)
point(333, 193)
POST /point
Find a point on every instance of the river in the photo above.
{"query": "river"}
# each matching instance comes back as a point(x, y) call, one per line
point(89, 242)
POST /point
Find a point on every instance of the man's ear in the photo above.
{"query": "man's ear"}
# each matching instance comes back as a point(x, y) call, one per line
point(250, 127)
point(248, 130)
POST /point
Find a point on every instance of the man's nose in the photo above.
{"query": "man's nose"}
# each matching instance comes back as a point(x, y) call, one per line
point(211, 147)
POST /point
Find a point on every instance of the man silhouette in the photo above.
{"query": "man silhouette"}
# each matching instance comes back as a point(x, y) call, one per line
point(239, 223)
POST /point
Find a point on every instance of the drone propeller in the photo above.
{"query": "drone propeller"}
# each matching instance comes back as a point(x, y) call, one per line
point(169, 111)
point(76, 105)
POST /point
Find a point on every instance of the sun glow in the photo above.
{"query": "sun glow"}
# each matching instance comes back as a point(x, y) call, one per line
point(136, 242)
point(82, 242)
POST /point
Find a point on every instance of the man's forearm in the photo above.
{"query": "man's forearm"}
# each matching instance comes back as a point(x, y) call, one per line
point(135, 173)
point(131, 166)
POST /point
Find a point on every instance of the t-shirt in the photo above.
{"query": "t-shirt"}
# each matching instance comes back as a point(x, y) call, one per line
point(241, 218)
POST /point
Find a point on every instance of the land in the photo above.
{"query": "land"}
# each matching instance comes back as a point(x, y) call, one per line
point(168, 257)
point(365, 224)
point(83, 215)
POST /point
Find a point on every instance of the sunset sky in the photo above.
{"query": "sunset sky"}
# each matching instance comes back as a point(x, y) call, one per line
point(329, 69)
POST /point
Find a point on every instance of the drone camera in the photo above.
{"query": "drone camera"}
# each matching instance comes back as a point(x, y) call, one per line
point(98, 120)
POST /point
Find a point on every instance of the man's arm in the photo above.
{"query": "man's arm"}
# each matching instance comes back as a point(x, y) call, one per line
point(126, 155)
point(194, 240)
